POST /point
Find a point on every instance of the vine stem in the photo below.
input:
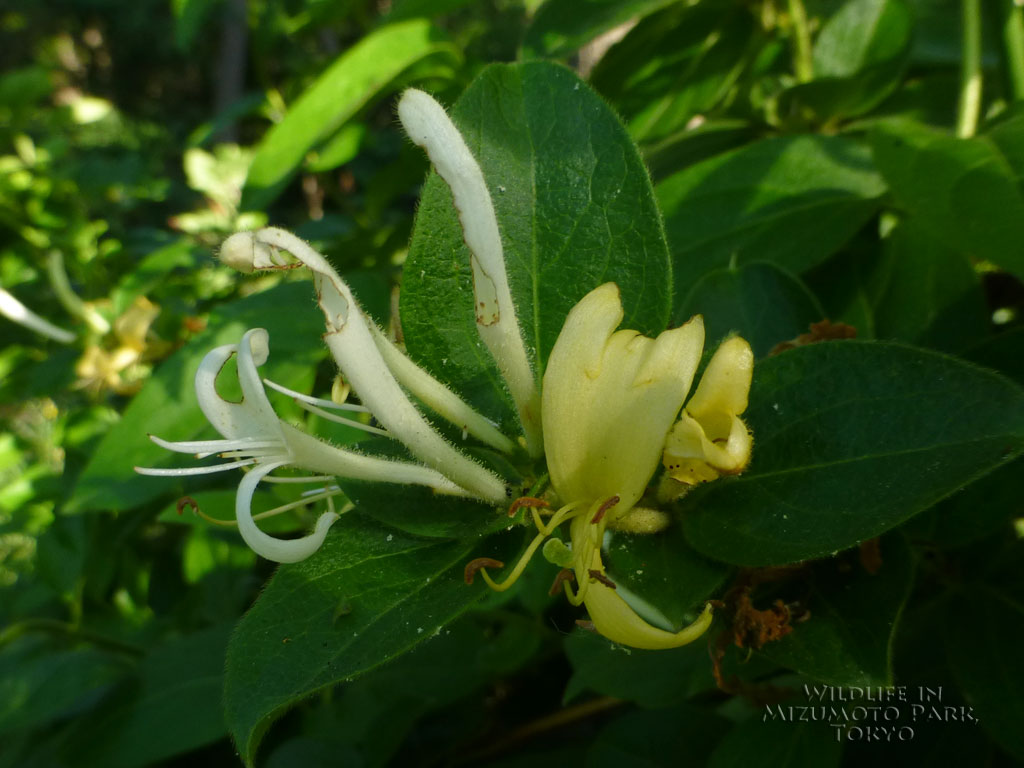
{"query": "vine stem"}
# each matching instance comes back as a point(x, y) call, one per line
point(803, 65)
point(1013, 46)
point(969, 106)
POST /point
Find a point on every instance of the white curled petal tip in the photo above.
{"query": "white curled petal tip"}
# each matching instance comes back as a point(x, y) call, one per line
point(264, 545)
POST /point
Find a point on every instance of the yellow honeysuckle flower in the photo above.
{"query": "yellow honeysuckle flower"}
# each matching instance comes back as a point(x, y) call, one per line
point(608, 404)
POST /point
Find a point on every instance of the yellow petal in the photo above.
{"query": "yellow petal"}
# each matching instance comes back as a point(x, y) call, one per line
point(609, 399)
point(613, 618)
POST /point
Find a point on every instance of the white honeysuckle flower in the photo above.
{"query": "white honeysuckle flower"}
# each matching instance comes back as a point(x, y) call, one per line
point(429, 126)
point(255, 437)
point(609, 401)
point(356, 347)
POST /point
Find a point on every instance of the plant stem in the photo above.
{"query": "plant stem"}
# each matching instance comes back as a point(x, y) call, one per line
point(67, 296)
point(54, 627)
point(802, 63)
point(969, 106)
point(1013, 46)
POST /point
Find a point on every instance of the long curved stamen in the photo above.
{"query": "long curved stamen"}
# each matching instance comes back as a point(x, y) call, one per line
point(543, 531)
point(341, 419)
point(209, 447)
point(323, 403)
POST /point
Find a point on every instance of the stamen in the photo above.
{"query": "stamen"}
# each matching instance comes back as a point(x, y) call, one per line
point(307, 479)
point(210, 447)
point(531, 502)
point(315, 400)
point(600, 576)
point(587, 625)
point(182, 472)
point(604, 508)
point(341, 419)
point(481, 562)
point(187, 501)
point(563, 514)
point(563, 576)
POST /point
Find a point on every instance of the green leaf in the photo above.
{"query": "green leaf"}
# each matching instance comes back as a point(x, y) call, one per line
point(575, 210)
point(963, 191)
point(650, 678)
point(561, 27)
point(369, 594)
point(850, 439)
point(762, 303)
point(673, 65)
point(848, 635)
point(790, 201)
point(166, 405)
point(176, 709)
point(778, 744)
point(984, 653)
point(364, 72)
point(664, 737)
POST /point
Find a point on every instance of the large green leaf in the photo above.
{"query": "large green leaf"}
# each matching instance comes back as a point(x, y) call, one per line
point(762, 303)
point(847, 637)
point(369, 594)
point(963, 191)
point(575, 209)
point(984, 654)
point(850, 439)
point(791, 201)
point(561, 27)
point(166, 405)
point(364, 72)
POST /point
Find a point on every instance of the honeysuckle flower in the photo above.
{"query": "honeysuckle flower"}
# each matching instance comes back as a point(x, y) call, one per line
point(609, 402)
point(255, 437)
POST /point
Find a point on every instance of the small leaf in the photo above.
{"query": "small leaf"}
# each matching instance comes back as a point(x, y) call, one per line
point(790, 201)
point(364, 72)
point(964, 191)
point(561, 27)
point(846, 639)
point(850, 439)
point(398, 590)
point(762, 303)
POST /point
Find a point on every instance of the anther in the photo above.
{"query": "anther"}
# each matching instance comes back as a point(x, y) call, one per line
point(187, 501)
point(561, 577)
point(599, 576)
point(530, 502)
point(481, 562)
point(587, 625)
point(604, 508)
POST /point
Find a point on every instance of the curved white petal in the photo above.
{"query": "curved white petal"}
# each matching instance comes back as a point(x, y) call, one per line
point(429, 126)
point(264, 545)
